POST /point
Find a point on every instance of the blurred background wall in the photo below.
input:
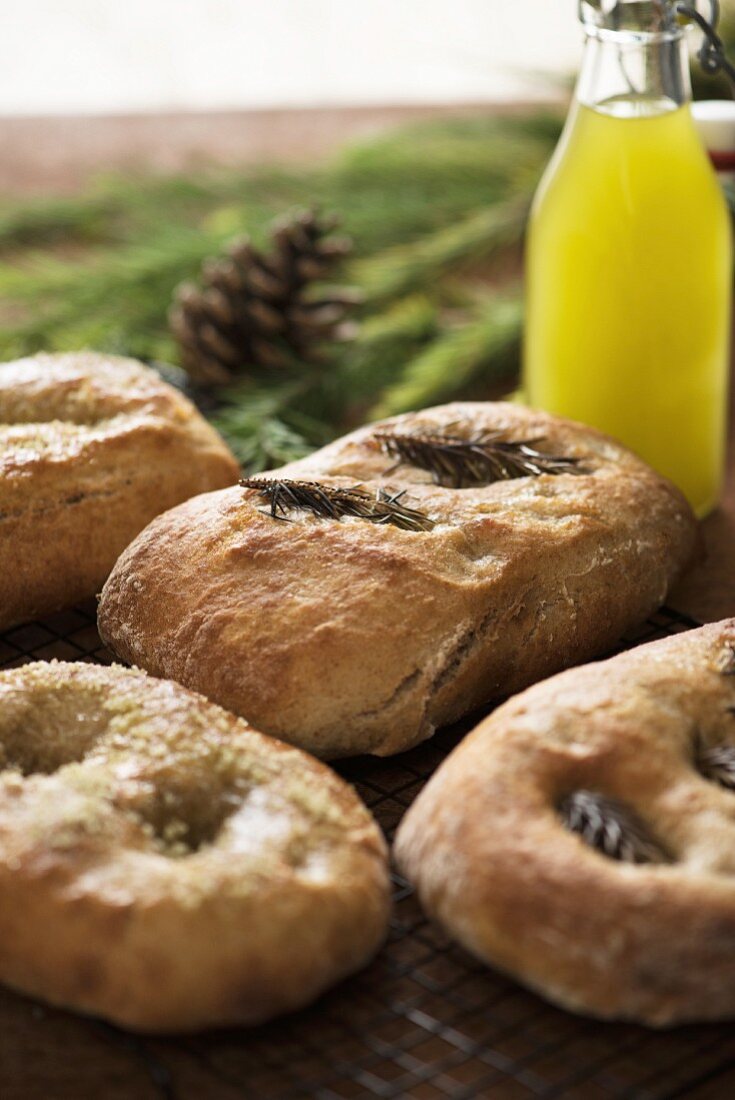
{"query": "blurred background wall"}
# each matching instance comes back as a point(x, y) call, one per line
point(101, 56)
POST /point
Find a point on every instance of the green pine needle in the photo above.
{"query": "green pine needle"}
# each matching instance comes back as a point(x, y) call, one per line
point(384, 343)
point(266, 427)
point(406, 268)
point(446, 369)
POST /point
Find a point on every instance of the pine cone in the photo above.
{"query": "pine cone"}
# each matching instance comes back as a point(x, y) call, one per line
point(256, 310)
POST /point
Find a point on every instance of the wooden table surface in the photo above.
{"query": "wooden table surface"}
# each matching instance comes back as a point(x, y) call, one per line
point(44, 156)
point(46, 1054)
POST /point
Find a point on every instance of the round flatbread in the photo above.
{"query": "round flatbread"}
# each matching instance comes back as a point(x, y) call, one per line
point(583, 837)
point(165, 866)
point(92, 447)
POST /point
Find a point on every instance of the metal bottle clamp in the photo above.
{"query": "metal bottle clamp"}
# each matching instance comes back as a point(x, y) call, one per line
point(711, 55)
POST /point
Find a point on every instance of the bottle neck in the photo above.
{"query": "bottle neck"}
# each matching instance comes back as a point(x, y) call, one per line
point(630, 75)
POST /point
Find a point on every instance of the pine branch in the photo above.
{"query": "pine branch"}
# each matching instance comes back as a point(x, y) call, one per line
point(113, 303)
point(125, 209)
point(483, 347)
point(46, 221)
point(264, 430)
point(452, 156)
point(441, 194)
point(384, 343)
point(114, 298)
point(401, 270)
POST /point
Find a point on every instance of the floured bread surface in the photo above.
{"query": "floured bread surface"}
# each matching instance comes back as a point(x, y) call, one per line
point(583, 837)
point(348, 636)
point(92, 447)
point(166, 867)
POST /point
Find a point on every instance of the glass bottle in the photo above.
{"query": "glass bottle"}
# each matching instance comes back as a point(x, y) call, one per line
point(629, 265)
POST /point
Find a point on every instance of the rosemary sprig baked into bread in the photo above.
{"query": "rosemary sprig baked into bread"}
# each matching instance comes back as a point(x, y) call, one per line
point(459, 463)
point(346, 630)
point(331, 502)
point(582, 838)
point(610, 826)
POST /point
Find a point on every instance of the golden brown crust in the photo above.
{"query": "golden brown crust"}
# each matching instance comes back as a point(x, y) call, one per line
point(486, 846)
point(165, 866)
point(348, 637)
point(92, 447)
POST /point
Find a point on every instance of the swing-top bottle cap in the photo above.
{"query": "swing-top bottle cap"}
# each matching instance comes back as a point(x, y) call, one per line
point(715, 119)
point(637, 16)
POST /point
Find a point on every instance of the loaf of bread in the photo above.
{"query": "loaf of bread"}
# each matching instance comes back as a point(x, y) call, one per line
point(488, 546)
point(92, 447)
point(166, 867)
point(583, 837)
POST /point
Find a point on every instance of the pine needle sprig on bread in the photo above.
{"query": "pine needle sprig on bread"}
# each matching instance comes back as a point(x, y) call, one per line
point(333, 502)
point(457, 463)
point(611, 827)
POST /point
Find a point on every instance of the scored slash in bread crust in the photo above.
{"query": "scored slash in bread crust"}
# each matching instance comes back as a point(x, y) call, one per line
point(166, 867)
point(92, 447)
point(346, 637)
point(492, 861)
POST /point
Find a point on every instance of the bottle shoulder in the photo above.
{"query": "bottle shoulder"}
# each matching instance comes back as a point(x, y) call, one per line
point(630, 160)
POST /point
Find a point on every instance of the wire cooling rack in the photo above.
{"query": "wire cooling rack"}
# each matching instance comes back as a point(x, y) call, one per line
point(425, 1020)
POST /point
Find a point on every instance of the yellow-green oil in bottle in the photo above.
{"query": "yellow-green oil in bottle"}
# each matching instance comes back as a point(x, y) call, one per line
point(629, 288)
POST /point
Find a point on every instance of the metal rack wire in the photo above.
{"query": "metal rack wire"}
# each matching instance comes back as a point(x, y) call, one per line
point(425, 1020)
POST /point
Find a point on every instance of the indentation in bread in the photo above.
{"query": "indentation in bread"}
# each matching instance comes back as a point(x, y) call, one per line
point(636, 924)
point(233, 857)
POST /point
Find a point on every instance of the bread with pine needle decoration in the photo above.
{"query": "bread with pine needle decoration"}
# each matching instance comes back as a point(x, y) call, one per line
point(165, 866)
point(92, 447)
point(582, 839)
point(401, 577)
